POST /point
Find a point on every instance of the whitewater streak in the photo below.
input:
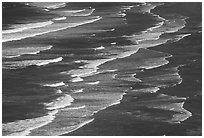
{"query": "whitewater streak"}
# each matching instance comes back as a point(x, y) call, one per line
point(29, 32)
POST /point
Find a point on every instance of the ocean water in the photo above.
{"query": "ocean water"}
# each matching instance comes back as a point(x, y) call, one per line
point(83, 68)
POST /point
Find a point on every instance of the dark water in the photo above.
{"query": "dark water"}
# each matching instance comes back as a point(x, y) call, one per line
point(91, 68)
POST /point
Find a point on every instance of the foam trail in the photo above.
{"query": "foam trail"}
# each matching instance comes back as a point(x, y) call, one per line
point(60, 102)
point(49, 61)
point(127, 77)
point(20, 28)
point(16, 52)
point(127, 7)
point(83, 14)
point(59, 18)
point(74, 11)
point(147, 90)
point(79, 126)
point(181, 36)
point(93, 83)
point(25, 63)
point(11, 56)
point(55, 84)
point(24, 127)
point(74, 108)
point(36, 32)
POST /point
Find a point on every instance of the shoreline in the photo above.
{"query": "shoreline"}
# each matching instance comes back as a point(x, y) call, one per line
point(89, 129)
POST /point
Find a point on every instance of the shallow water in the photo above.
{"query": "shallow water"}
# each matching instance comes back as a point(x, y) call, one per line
point(90, 58)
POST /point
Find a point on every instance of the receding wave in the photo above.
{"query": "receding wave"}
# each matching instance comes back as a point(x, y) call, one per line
point(180, 114)
point(24, 127)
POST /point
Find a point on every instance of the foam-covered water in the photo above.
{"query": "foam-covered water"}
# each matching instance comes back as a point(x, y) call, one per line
point(31, 32)
point(60, 102)
point(16, 52)
point(25, 63)
point(23, 127)
point(102, 69)
point(55, 84)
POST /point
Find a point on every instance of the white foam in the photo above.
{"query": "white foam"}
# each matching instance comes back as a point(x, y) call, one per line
point(60, 102)
point(121, 14)
point(74, 108)
point(112, 29)
point(88, 69)
point(77, 79)
point(43, 30)
point(80, 125)
point(46, 10)
point(99, 48)
point(59, 91)
point(25, 63)
point(93, 83)
point(93, 35)
point(127, 7)
point(45, 62)
point(78, 91)
point(185, 114)
point(55, 84)
point(181, 36)
point(74, 11)
point(147, 90)
point(59, 18)
point(155, 63)
point(145, 36)
point(114, 70)
point(24, 127)
point(81, 72)
point(83, 14)
point(171, 104)
point(16, 52)
point(79, 61)
point(56, 5)
point(157, 26)
point(11, 56)
point(22, 27)
point(113, 43)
